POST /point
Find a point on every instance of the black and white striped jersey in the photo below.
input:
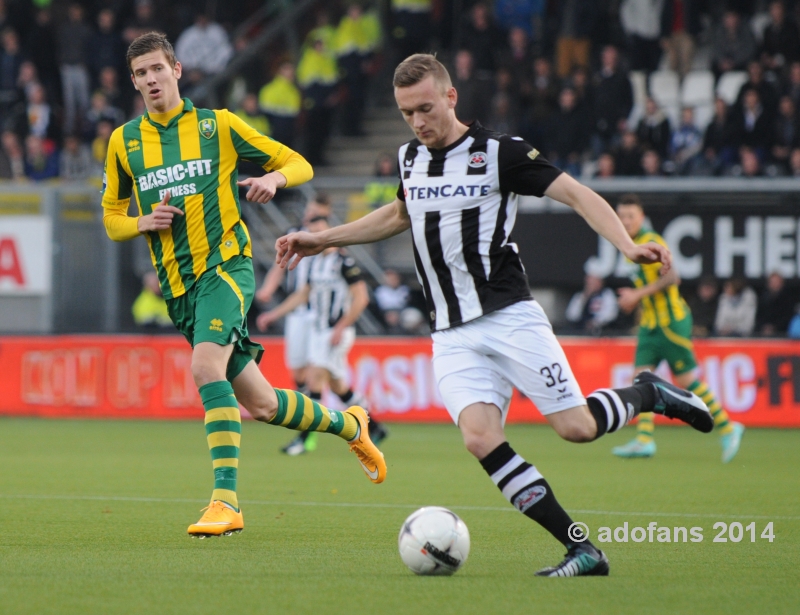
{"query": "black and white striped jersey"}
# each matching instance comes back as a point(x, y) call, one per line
point(462, 201)
point(330, 277)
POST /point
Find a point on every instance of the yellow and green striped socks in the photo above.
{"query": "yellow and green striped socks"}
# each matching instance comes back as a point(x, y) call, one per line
point(645, 428)
point(298, 412)
point(224, 433)
point(721, 422)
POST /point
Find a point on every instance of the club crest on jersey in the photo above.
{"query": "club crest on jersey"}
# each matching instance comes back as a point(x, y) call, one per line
point(207, 127)
point(477, 160)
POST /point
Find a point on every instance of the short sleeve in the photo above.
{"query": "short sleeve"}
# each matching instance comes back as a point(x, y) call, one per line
point(523, 170)
point(351, 272)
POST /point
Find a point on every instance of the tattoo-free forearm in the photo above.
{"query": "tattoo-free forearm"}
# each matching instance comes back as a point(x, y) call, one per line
point(388, 221)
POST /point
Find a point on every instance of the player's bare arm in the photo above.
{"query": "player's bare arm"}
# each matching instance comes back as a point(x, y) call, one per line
point(295, 300)
point(629, 298)
point(388, 221)
point(272, 281)
point(357, 306)
point(602, 218)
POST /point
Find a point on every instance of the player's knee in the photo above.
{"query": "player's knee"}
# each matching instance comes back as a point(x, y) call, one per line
point(477, 443)
point(204, 371)
point(263, 412)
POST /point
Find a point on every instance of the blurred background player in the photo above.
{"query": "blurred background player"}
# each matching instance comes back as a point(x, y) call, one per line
point(665, 332)
point(298, 322)
point(336, 294)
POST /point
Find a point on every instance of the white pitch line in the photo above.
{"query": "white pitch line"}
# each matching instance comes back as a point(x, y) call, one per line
point(118, 498)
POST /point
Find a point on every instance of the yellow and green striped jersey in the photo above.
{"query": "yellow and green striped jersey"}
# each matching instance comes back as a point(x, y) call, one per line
point(666, 306)
point(195, 157)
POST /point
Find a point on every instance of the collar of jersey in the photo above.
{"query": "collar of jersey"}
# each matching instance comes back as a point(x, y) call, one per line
point(642, 232)
point(187, 108)
point(473, 128)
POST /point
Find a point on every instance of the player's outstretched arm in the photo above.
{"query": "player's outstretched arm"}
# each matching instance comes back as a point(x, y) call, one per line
point(388, 221)
point(598, 213)
point(295, 300)
point(272, 281)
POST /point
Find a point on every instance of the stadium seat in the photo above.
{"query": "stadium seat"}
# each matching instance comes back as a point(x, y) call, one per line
point(729, 85)
point(665, 88)
point(703, 114)
point(697, 88)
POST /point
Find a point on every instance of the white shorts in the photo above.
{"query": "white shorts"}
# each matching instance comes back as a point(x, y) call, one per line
point(332, 358)
point(296, 339)
point(480, 362)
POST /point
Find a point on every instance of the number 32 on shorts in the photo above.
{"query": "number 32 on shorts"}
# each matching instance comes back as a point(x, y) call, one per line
point(553, 375)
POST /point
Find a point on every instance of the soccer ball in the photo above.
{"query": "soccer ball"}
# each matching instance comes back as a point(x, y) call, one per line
point(434, 541)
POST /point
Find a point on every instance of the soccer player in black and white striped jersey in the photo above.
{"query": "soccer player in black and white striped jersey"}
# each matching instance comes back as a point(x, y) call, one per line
point(336, 294)
point(458, 195)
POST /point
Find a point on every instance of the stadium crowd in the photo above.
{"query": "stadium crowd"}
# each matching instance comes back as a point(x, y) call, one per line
point(605, 88)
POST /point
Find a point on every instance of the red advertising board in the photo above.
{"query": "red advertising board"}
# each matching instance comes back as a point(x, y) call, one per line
point(757, 381)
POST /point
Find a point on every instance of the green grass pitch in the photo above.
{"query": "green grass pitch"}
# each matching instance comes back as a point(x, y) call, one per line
point(94, 515)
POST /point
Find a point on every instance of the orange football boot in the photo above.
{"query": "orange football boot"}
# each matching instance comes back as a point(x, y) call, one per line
point(370, 458)
point(219, 519)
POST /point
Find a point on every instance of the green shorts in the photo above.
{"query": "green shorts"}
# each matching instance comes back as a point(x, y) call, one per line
point(673, 343)
point(215, 310)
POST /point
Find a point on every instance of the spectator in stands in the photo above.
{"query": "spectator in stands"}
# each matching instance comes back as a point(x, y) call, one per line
point(628, 155)
point(719, 151)
point(686, 144)
point(641, 21)
point(354, 43)
point(383, 189)
point(40, 115)
point(108, 48)
point(75, 162)
point(149, 309)
point(781, 43)
point(794, 324)
point(109, 86)
point(74, 39)
point(317, 75)
point(518, 61)
point(651, 164)
point(736, 314)
point(794, 163)
point(577, 19)
point(775, 306)
point(787, 133)
point(143, 21)
point(704, 304)
point(252, 116)
point(41, 48)
point(792, 88)
point(732, 44)
point(392, 297)
point(605, 167)
point(581, 82)
point(569, 135)
point(766, 91)
point(525, 15)
point(653, 129)
point(28, 78)
point(483, 39)
point(100, 142)
point(504, 114)
point(411, 21)
point(678, 27)
point(280, 101)
point(592, 309)
point(475, 95)
point(11, 59)
point(748, 166)
point(100, 111)
point(613, 99)
point(203, 49)
point(40, 164)
point(542, 103)
point(323, 30)
point(12, 160)
point(753, 128)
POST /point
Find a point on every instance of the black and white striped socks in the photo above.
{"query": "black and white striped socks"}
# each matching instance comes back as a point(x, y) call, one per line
point(527, 490)
point(615, 408)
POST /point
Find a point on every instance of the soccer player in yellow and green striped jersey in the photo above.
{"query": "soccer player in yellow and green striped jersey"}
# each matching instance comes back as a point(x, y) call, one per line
point(665, 330)
point(180, 163)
